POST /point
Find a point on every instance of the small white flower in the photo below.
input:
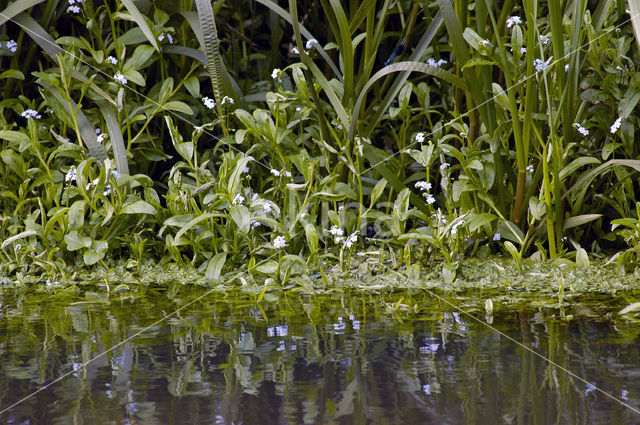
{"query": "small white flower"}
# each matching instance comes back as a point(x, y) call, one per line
point(161, 37)
point(497, 236)
point(420, 137)
point(338, 239)
point(298, 109)
point(523, 50)
point(530, 168)
point(286, 173)
point(275, 172)
point(170, 38)
point(454, 228)
point(544, 40)
point(303, 215)
point(295, 51)
point(485, 43)
point(616, 125)
point(73, 9)
point(541, 65)
point(97, 130)
point(581, 129)
point(71, 175)
point(238, 199)
point(619, 68)
point(255, 224)
point(275, 73)
point(437, 64)
point(209, 103)
point(279, 242)
point(101, 137)
point(444, 166)
point(336, 231)
point(12, 45)
point(107, 190)
point(121, 78)
point(353, 238)
point(423, 185)
point(245, 170)
point(566, 67)
point(340, 208)
point(429, 198)
point(513, 20)
point(112, 60)
point(225, 100)
point(115, 174)
point(93, 183)
point(267, 208)
point(311, 43)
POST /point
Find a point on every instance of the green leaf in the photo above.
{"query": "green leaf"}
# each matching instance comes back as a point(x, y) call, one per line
point(141, 54)
point(75, 215)
point(579, 220)
point(15, 8)
point(215, 265)
point(12, 73)
point(138, 207)
point(312, 237)
point(76, 241)
point(141, 20)
point(177, 106)
point(14, 136)
point(377, 191)
point(115, 134)
point(19, 236)
point(582, 259)
point(241, 216)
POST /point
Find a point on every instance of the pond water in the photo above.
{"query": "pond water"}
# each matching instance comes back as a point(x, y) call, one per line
point(377, 357)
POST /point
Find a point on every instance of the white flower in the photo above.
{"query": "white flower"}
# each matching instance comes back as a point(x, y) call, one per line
point(619, 68)
point(523, 50)
point(121, 78)
point(170, 38)
point(101, 137)
point(286, 173)
point(616, 125)
point(115, 174)
point(279, 242)
point(541, 65)
point(209, 103)
point(338, 239)
point(245, 170)
point(454, 228)
point(226, 99)
point(93, 183)
point(437, 64)
point(97, 130)
point(311, 43)
point(298, 109)
point(340, 208)
point(581, 129)
point(254, 197)
point(275, 172)
point(238, 199)
point(267, 208)
point(336, 231)
point(71, 175)
point(513, 20)
point(353, 238)
point(530, 168)
point(444, 166)
point(303, 215)
point(566, 67)
point(420, 137)
point(423, 185)
point(255, 224)
point(161, 37)
point(107, 190)
point(112, 60)
point(497, 236)
point(73, 9)
point(31, 113)
point(12, 45)
point(275, 73)
point(485, 43)
point(295, 51)
point(429, 198)
point(544, 40)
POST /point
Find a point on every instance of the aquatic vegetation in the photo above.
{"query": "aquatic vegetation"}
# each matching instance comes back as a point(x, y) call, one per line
point(471, 131)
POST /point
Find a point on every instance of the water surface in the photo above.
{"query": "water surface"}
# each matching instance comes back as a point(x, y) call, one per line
point(377, 357)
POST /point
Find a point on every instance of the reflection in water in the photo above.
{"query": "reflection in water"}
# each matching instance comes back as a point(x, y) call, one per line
point(356, 359)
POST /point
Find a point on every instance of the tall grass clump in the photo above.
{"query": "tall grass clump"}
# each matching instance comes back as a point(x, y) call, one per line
point(285, 139)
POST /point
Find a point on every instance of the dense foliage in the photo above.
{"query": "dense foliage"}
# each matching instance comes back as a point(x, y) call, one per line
point(284, 139)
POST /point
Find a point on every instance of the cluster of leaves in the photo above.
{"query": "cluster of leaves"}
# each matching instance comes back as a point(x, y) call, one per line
point(289, 166)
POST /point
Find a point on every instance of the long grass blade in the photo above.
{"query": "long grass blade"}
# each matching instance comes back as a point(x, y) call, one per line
point(16, 8)
point(38, 34)
point(141, 20)
point(115, 134)
point(346, 51)
point(634, 12)
point(86, 130)
point(403, 66)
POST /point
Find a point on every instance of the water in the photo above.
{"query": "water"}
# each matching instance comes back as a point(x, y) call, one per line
point(358, 358)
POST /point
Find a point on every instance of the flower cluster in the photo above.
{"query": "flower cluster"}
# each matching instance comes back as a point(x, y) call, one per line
point(436, 63)
point(71, 175)
point(513, 20)
point(31, 113)
point(581, 129)
point(238, 199)
point(541, 65)
point(420, 137)
point(111, 60)
point(530, 168)
point(353, 238)
point(616, 125)
point(454, 228)
point(168, 37)
point(225, 100)
point(12, 46)
point(279, 242)
point(208, 102)
point(497, 236)
point(120, 78)
point(338, 233)
point(74, 6)
point(279, 173)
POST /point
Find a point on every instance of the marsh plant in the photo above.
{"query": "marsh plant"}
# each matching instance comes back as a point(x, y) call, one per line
point(285, 140)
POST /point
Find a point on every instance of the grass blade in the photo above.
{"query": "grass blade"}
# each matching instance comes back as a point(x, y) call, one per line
point(115, 134)
point(141, 20)
point(38, 34)
point(16, 8)
point(85, 129)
